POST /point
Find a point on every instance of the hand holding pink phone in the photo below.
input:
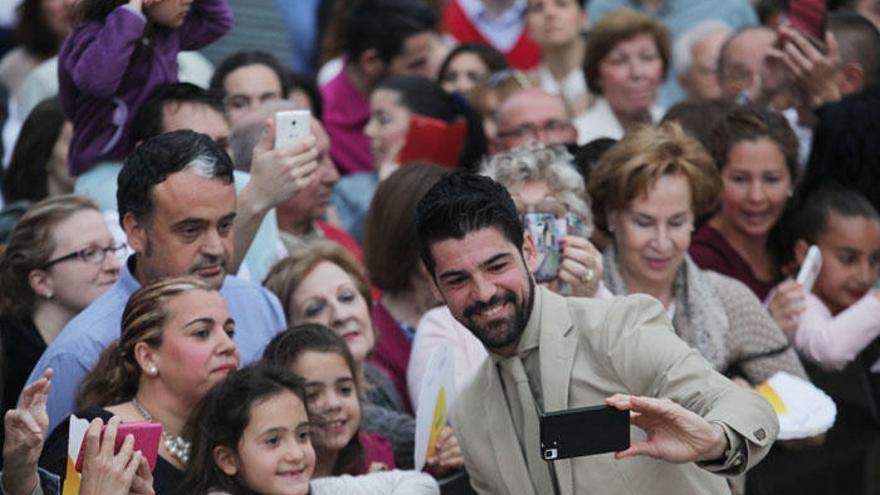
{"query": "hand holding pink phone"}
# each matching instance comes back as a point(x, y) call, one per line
point(146, 440)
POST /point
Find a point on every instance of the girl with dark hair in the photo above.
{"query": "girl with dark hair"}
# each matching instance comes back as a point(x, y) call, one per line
point(38, 167)
point(176, 344)
point(41, 27)
point(393, 103)
point(469, 65)
point(756, 153)
point(252, 435)
point(841, 315)
point(334, 385)
point(117, 56)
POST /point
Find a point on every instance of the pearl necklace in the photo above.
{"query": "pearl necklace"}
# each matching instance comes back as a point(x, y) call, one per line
point(176, 445)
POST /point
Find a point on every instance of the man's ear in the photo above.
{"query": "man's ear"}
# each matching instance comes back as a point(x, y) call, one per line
point(853, 78)
point(800, 251)
point(371, 65)
point(225, 460)
point(135, 233)
point(530, 252)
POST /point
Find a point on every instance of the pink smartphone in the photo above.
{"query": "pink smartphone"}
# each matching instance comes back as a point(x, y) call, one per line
point(146, 439)
point(808, 17)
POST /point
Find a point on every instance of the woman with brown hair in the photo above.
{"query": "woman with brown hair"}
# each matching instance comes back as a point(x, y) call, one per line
point(647, 192)
point(628, 56)
point(176, 343)
point(756, 153)
point(60, 257)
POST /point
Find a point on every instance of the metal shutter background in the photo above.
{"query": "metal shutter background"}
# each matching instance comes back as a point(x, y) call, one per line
point(257, 27)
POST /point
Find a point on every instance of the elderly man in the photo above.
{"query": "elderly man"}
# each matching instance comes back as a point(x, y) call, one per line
point(696, 60)
point(548, 352)
point(176, 203)
point(532, 115)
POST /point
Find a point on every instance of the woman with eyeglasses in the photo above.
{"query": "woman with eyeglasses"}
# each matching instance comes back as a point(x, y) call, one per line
point(60, 257)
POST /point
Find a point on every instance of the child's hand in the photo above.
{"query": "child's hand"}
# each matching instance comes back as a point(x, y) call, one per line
point(377, 467)
point(787, 306)
point(447, 456)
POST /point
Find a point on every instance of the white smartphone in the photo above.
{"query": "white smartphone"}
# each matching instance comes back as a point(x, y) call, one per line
point(810, 268)
point(291, 126)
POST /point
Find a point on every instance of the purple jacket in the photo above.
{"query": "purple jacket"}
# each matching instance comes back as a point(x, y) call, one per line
point(106, 72)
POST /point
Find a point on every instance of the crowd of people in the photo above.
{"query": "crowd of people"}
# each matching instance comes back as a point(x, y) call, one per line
point(580, 202)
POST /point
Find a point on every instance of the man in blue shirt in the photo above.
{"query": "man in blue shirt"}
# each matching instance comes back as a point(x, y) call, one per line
point(176, 202)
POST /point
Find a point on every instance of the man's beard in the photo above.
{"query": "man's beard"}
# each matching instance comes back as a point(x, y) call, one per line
point(501, 333)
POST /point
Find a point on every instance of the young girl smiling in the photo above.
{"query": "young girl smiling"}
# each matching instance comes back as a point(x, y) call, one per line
point(252, 435)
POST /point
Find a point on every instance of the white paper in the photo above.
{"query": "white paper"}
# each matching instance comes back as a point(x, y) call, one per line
point(436, 389)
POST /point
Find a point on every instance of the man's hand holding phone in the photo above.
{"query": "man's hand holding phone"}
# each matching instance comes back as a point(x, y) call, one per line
point(279, 172)
point(675, 434)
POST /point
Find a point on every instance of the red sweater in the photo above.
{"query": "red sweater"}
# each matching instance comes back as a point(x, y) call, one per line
point(525, 54)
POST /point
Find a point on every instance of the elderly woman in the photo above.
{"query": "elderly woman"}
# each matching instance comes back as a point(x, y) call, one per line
point(323, 283)
point(544, 184)
point(176, 344)
point(59, 258)
point(628, 55)
point(647, 191)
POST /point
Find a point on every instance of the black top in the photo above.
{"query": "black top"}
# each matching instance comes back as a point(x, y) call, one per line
point(166, 477)
point(22, 347)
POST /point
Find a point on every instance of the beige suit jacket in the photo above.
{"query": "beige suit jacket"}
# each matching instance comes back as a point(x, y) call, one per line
point(590, 349)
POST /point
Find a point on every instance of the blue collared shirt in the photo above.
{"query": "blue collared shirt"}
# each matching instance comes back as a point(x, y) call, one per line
point(257, 313)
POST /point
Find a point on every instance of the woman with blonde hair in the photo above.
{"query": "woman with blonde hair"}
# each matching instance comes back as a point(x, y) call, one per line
point(176, 343)
point(60, 257)
point(647, 192)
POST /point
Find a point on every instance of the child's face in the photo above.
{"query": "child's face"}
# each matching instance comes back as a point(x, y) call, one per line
point(850, 260)
point(275, 454)
point(332, 398)
point(168, 13)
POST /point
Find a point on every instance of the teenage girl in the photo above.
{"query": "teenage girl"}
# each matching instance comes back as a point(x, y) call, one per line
point(252, 435)
point(119, 53)
point(841, 315)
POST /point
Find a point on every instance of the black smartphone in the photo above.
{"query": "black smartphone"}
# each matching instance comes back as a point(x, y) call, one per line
point(583, 431)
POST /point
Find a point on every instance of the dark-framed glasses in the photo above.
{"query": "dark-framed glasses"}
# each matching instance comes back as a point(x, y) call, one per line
point(90, 254)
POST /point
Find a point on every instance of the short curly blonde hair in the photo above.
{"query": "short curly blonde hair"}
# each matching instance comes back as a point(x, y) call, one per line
point(632, 166)
point(550, 163)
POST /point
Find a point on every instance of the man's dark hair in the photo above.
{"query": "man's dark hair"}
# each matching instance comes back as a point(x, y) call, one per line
point(384, 25)
point(160, 156)
point(308, 85)
point(241, 59)
point(149, 120)
point(859, 42)
point(32, 31)
point(461, 203)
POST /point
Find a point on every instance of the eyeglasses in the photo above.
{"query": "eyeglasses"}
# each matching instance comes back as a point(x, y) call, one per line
point(91, 254)
point(550, 128)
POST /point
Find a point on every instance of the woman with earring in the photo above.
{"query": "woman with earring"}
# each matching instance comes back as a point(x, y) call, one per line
point(176, 343)
point(60, 257)
point(647, 191)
